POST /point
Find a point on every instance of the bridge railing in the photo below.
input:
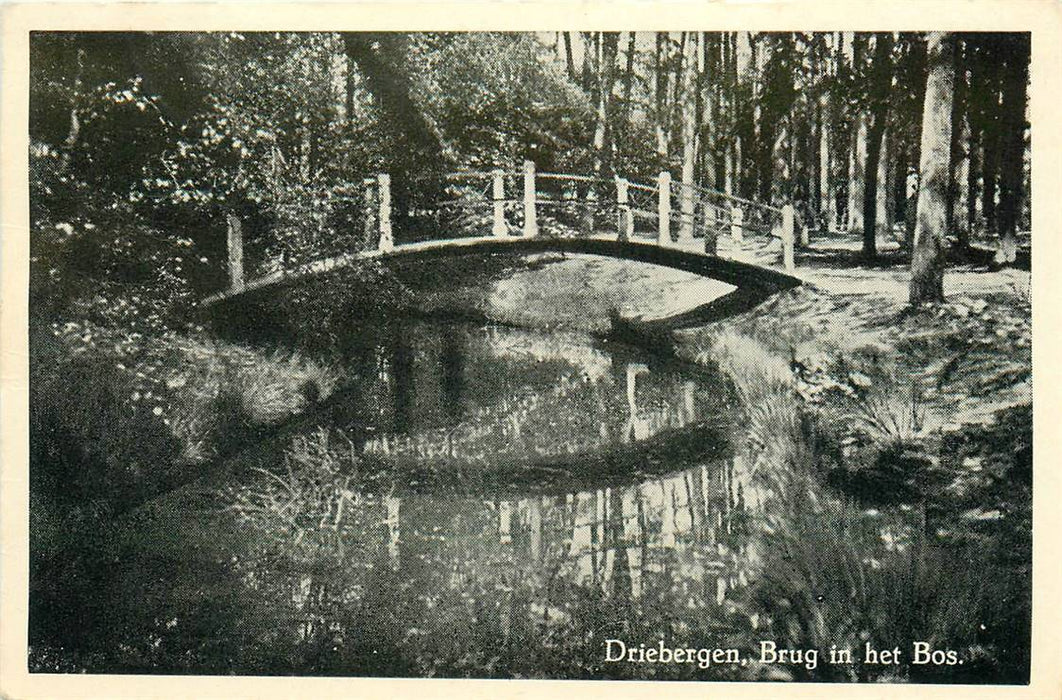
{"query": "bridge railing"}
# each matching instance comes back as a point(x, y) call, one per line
point(732, 226)
point(527, 203)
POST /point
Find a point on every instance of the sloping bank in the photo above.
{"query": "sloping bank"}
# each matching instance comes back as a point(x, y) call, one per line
point(895, 447)
point(896, 451)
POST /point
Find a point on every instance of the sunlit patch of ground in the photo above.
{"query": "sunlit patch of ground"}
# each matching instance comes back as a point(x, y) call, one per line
point(967, 357)
point(579, 291)
point(553, 291)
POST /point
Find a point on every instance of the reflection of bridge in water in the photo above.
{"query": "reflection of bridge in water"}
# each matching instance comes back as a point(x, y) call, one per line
point(681, 541)
point(530, 398)
point(671, 539)
point(716, 235)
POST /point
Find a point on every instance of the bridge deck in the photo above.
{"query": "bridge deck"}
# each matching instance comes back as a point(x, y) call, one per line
point(685, 256)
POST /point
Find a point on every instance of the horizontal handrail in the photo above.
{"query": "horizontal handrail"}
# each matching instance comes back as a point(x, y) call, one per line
point(575, 178)
point(729, 197)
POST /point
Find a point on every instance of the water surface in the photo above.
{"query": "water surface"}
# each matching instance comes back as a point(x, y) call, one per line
point(478, 501)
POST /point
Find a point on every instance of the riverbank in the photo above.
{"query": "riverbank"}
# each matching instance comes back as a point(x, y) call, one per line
point(891, 497)
point(880, 424)
point(897, 446)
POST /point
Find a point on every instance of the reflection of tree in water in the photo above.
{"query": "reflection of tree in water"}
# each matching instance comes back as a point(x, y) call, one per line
point(530, 397)
point(526, 585)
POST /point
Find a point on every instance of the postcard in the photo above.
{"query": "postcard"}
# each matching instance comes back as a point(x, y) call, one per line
point(513, 349)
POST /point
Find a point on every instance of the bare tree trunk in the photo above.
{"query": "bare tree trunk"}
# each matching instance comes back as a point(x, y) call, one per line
point(857, 172)
point(827, 205)
point(958, 108)
point(927, 260)
point(881, 81)
point(589, 58)
point(628, 76)
point(917, 69)
point(989, 102)
point(689, 134)
point(709, 100)
point(569, 61)
point(607, 44)
point(973, 175)
point(964, 156)
point(1012, 140)
point(661, 90)
point(885, 175)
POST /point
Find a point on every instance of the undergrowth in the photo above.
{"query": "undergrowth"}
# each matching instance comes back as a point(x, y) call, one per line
point(871, 532)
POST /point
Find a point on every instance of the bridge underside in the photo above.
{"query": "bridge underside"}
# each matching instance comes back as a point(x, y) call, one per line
point(754, 283)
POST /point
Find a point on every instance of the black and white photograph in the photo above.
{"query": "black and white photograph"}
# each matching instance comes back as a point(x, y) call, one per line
point(605, 355)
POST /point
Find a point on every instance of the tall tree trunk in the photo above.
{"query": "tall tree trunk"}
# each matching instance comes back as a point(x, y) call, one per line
point(958, 109)
point(710, 98)
point(608, 44)
point(927, 260)
point(880, 82)
point(973, 175)
point(857, 173)
point(964, 162)
point(418, 153)
point(690, 106)
point(899, 189)
point(988, 101)
point(628, 76)
point(916, 71)
point(350, 91)
point(568, 58)
point(827, 204)
point(589, 57)
point(1012, 141)
point(885, 191)
point(661, 90)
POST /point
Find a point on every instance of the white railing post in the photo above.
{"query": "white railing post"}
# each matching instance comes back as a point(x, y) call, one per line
point(369, 184)
point(788, 237)
point(737, 220)
point(500, 229)
point(387, 239)
point(530, 215)
point(625, 223)
point(235, 246)
point(663, 209)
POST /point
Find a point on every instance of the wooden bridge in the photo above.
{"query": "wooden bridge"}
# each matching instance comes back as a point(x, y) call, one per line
point(710, 233)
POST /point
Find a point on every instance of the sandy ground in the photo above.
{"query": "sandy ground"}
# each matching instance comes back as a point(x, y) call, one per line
point(578, 292)
point(967, 357)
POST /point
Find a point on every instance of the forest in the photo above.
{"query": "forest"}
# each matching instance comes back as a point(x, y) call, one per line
point(247, 489)
point(166, 134)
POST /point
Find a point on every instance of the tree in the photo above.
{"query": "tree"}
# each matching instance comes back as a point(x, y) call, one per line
point(690, 119)
point(661, 112)
point(927, 259)
point(607, 44)
point(880, 82)
point(569, 62)
point(1012, 138)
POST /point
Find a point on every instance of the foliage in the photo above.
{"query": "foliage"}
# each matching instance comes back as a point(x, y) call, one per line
point(119, 417)
point(500, 101)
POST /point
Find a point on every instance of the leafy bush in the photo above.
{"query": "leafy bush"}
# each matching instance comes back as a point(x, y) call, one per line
point(118, 417)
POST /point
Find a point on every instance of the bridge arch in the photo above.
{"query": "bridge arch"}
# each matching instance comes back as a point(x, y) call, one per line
point(712, 212)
